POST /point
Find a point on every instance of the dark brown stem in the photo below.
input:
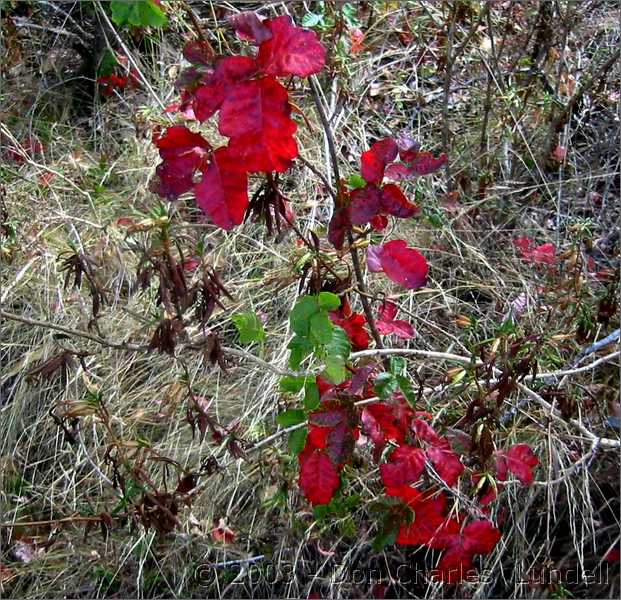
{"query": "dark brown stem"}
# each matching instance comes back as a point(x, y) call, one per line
point(350, 238)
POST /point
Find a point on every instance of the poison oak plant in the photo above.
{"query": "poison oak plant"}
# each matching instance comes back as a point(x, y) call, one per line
point(341, 401)
point(347, 392)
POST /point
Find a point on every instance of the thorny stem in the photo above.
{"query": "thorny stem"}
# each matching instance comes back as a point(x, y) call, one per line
point(352, 250)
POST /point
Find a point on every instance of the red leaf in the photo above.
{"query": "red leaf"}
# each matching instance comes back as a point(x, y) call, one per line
point(222, 193)
point(387, 324)
point(422, 163)
point(354, 327)
point(426, 432)
point(455, 565)
point(404, 265)
point(248, 26)
point(374, 259)
point(395, 203)
point(381, 424)
point(446, 463)
point(356, 37)
point(365, 203)
point(319, 478)
point(480, 537)
point(339, 226)
point(430, 522)
point(373, 162)
point(256, 116)
point(612, 555)
point(198, 52)
point(408, 147)
point(183, 153)
point(291, 50)
point(317, 436)
point(379, 222)
point(544, 254)
point(217, 85)
point(406, 465)
point(519, 460)
point(340, 443)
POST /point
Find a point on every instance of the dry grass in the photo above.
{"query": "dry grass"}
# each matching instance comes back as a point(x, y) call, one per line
point(102, 160)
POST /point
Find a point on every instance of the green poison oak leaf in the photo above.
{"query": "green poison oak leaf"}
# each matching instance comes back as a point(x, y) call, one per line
point(328, 301)
point(300, 315)
point(519, 460)
point(290, 50)
point(249, 326)
point(291, 384)
point(222, 193)
point(291, 417)
point(297, 440)
point(139, 13)
point(183, 152)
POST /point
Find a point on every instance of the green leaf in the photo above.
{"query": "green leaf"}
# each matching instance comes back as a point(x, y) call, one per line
point(311, 395)
point(328, 301)
point(355, 181)
point(139, 13)
point(385, 385)
point(406, 388)
point(300, 348)
point(398, 365)
point(297, 440)
point(311, 19)
point(291, 384)
point(321, 328)
point(339, 345)
point(335, 370)
point(149, 14)
point(350, 14)
point(387, 535)
point(293, 416)
point(120, 11)
point(301, 314)
point(249, 326)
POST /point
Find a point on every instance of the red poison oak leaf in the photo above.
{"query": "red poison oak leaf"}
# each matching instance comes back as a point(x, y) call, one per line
point(373, 162)
point(395, 203)
point(290, 50)
point(365, 203)
point(256, 116)
point(387, 324)
point(405, 465)
point(354, 327)
point(456, 564)
point(216, 86)
point(544, 254)
point(222, 193)
point(339, 225)
point(404, 265)
point(319, 478)
point(183, 152)
point(248, 26)
point(519, 460)
point(446, 463)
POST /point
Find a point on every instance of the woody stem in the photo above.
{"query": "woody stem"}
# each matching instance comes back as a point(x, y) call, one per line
point(353, 252)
